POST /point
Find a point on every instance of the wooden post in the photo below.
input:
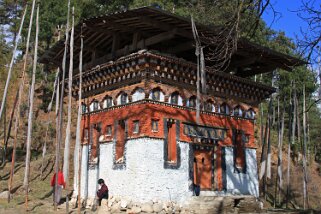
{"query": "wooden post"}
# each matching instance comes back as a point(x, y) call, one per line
point(305, 179)
point(197, 53)
point(32, 90)
point(4, 133)
point(44, 149)
point(78, 148)
point(7, 135)
point(60, 116)
point(67, 140)
point(279, 136)
point(5, 92)
point(20, 91)
point(291, 141)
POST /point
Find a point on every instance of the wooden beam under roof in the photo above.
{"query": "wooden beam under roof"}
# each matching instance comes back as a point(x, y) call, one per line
point(181, 47)
point(252, 70)
point(130, 48)
point(165, 26)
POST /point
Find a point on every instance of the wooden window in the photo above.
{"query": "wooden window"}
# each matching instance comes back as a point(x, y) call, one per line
point(86, 134)
point(83, 108)
point(95, 105)
point(238, 111)
point(224, 109)
point(108, 102)
point(156, 95)
point(154, 125)
point(136, 127)
point(123, 98)
point(239, 151)
point(209, 106)
point(120, 141)
point(174, 98)
point(108, 130)
point(250, 114)
point(171, 142)
point(192, 102)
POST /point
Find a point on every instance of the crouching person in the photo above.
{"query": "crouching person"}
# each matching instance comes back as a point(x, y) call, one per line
point(102, 192)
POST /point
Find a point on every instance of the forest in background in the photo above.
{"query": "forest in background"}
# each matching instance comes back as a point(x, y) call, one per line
point(53, 13)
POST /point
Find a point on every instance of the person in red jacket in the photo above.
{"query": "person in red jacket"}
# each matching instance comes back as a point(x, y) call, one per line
point(61, 184)
point(102, 192)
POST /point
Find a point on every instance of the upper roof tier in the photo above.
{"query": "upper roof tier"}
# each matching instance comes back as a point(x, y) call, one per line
point(109, 37)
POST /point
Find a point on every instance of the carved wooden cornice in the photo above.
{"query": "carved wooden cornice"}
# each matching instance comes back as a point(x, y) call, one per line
point(146, 65)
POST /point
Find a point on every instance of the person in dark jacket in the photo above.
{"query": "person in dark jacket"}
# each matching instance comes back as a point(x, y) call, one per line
point(102, 192)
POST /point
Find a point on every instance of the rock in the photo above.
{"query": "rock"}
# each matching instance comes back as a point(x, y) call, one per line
point(117, 198)
point(73, 202)
point(236, 192)
point(184, 211)
point(157, 208)
point(112, 199)
point(4, 194)
point(162, 212)
point(89, 203)
point(135, 210)
point(149, 203)
point(130, 205)
point(110, 203)
point(137, 204)
point(177, 208)
point(115, 208)
point(103, 210)
point(168, 203)
point(104, 202)
point(123, 203)
point(147, 208)
point(166, 209)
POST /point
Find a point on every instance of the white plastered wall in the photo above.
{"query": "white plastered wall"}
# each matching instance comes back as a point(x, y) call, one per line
point(144, 177)
point(246, 184)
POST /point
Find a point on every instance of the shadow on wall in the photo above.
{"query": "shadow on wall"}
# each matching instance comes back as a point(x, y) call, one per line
point(245, 183)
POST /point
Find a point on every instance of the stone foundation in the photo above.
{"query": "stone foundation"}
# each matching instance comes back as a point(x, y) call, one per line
point(201, 204)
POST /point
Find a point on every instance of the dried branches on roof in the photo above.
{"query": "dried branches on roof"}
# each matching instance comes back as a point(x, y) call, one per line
point(224, 44)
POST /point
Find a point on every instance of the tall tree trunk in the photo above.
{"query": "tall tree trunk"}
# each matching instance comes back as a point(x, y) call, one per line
point(78, 150)
point(20, 91)
point(280, 158)
point(197, 53)
point(67, 140)
point(291, 141)
point(61, 103)
point(5, 92)
point(308, 138)
point(279, 130)
point(263, 168)
point(4, 134)
point(44, 150)
point(7, 135)
point(298, 122)
point(268, 161)
point(305, 179)
point(32, 90)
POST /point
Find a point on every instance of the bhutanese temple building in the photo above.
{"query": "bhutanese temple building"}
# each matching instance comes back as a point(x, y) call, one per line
point(139, 128)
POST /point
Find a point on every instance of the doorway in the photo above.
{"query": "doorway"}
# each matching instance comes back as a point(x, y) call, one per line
point(203, 168)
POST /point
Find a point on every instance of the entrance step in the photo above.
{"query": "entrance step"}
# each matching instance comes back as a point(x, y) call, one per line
point(219, 204)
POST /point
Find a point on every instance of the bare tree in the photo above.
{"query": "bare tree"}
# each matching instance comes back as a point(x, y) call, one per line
point(310, 13)
point(32, 90)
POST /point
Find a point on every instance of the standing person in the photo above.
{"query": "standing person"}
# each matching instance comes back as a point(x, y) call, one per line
point(102, 192)
point(60, 186)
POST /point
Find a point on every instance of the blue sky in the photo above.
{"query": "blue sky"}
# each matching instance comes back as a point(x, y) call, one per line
point(287, 19)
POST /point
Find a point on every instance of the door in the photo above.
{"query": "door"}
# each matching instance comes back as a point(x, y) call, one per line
point(203, 169)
